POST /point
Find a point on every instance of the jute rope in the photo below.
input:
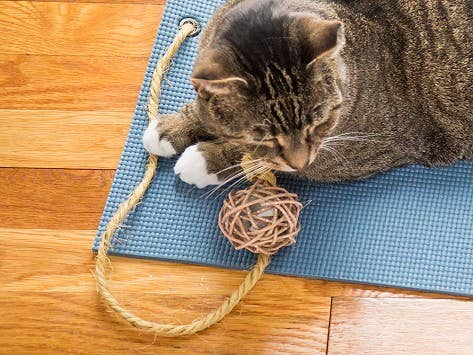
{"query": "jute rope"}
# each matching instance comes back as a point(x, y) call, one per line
point(165, 330)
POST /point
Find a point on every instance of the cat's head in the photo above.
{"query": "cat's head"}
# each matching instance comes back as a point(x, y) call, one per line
point(269, 83)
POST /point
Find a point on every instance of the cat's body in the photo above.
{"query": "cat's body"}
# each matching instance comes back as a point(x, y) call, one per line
point(399, 86)
point(410, 67)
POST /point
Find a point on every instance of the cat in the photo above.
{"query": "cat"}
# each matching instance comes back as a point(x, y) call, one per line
point(328, 90)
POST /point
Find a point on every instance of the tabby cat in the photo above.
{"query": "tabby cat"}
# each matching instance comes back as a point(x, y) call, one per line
point(328, 90)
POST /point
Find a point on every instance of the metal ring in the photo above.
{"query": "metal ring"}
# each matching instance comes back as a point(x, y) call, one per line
point(194, 23)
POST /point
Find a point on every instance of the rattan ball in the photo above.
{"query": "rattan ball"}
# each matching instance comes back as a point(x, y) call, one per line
point(262, 218)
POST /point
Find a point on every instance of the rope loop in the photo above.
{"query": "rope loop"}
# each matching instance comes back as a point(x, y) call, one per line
point(186, 29)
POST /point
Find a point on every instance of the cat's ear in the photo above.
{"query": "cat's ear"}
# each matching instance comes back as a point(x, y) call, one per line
point(207, 88)
point(212, 74)
point(320, 38)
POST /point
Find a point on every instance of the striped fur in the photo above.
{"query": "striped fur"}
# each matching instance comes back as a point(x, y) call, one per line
point(392, 85)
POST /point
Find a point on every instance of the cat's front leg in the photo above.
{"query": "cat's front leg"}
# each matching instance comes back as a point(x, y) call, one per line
point(208, 163)
point(171, 134)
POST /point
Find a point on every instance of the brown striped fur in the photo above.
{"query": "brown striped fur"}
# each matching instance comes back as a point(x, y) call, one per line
point(394, 75)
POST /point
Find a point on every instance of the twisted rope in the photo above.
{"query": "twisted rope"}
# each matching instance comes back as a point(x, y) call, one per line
point(165, 330)
point(267, 176)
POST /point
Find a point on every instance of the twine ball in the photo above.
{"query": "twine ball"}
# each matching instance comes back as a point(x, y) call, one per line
point(262, 218)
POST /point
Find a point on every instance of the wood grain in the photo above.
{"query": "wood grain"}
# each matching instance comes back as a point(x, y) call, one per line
point(70, 72)
point(67, 255)
point(49, 302)
point(74, 199)
point(53, 198)
point(73, 29)
point(401, 326)
point(69, 79)
point(45, 198)
point(137, 2)
point(78, 323)
point(74, 83)
point(62, 139)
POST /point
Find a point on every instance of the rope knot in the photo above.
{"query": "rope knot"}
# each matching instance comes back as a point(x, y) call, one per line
point(247, 163)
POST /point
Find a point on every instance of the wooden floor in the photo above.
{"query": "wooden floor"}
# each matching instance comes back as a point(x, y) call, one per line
point(69, 78)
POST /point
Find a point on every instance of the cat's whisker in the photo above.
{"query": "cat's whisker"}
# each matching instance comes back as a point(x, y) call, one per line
point(250, 172)
point(345, 138)
point(226, 181)
point(238, 165)
point(248, 176)
point(239, 174)
point(239, 182)
point(330, 150)
point(219, 187)
point(337, 144)
point(342, 140)
point(262, 169)
point(348, 138)
point(334, 155)
point(356, 134)
point(232, 176)
point(230, 186)
point(337, 155)
point(335, 152)
point(240, 170)
point(351, 139)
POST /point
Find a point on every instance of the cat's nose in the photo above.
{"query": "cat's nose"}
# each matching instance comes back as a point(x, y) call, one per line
point(298, 159)
point(298, 164)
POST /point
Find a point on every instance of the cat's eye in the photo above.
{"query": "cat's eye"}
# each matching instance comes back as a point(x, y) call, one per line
point(317, 111)
point(267, 142)
point(309, 134)
point(270, 141)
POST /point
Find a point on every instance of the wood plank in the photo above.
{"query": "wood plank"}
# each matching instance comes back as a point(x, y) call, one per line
point(401, 326)
point(72, 29)
point(78, 323)
point(70, 82)
point(138, 2)
point(48, 301)
point(62, 139)
point(67, 255)
point(74, 199)
point(53, 198)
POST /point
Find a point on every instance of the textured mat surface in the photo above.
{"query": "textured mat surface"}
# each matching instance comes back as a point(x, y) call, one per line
point(412, 227)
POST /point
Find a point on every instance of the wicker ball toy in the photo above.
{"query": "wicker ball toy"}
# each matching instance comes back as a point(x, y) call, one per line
point(262, 218)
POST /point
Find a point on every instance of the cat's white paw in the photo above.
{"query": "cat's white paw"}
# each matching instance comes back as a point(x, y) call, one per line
point(192, 168)
point(154, 145)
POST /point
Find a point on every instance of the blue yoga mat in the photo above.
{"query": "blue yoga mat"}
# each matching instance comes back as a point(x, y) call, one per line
point(411, 227)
